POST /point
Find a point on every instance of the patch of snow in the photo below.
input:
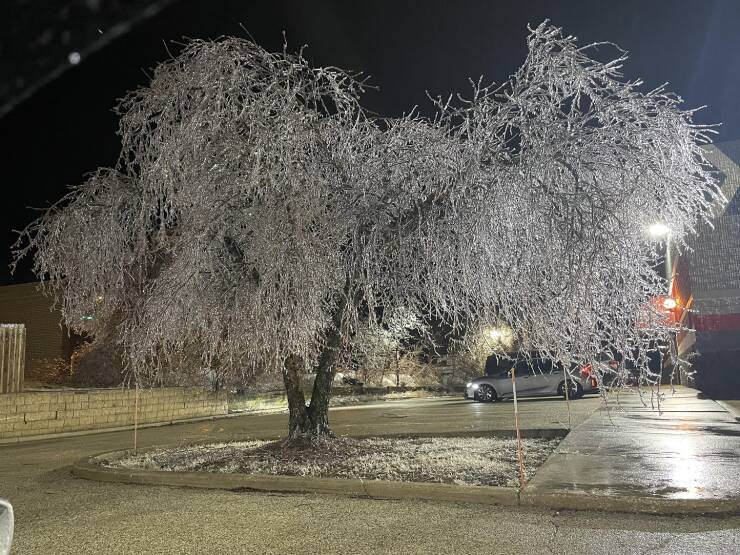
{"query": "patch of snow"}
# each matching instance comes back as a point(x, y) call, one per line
point(465, 461)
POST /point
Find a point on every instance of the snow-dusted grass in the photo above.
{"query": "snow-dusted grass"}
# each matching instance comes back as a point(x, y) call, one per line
point(466, 461)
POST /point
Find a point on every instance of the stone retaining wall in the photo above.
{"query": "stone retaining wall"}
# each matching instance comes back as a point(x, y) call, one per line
point(41, 413)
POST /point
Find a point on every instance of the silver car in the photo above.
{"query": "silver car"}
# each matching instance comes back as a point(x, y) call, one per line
point(534, 378)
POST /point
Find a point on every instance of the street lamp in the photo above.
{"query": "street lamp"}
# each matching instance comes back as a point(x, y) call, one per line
point(500, 336)
point(670, 303)
point(659, 230)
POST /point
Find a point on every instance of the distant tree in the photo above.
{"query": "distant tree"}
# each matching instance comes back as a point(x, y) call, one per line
point(472, 349)
point(378, 346)
point(256, 210)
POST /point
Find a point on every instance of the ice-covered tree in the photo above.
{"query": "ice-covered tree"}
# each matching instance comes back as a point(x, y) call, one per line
point(256, 210)
point(379, 344)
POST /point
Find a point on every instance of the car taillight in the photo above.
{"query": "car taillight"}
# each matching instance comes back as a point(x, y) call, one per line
point(594, 383)
point(586, 370)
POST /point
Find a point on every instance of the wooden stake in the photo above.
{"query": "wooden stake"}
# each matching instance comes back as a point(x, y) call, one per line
point(519, 453)
point(567, 394)
point(136, 414)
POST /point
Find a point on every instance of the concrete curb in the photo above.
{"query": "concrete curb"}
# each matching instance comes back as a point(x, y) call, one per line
point(568, 500)
point(88, 468)
point(371, 489)
point(730, 409)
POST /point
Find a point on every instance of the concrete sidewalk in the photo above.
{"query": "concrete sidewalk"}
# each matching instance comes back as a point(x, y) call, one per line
point(733, 407)
point(690, 450)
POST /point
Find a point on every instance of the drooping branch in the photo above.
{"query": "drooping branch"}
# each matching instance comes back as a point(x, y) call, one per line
point(256, 209)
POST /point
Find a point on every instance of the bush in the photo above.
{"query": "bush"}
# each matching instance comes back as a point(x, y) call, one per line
point(55, 371)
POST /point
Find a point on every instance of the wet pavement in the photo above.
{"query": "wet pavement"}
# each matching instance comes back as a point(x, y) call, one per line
point(689, 449)
point(58, 513)
point(733, 407)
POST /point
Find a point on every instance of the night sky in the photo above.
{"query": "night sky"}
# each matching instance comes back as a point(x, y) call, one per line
point(65, 128)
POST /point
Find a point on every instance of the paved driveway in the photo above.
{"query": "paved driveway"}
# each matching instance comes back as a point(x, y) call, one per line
point(690, 449)
point(61, 514)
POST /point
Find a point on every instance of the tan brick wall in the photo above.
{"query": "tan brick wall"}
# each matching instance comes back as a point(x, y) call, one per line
point(45, 339)
point(38, 413)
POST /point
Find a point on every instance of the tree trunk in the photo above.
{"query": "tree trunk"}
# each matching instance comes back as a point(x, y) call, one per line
point(296, 399)
point(312, 421)
point(318, 411)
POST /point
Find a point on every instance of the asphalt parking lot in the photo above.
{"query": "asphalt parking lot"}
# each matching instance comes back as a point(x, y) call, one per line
point(58, 513)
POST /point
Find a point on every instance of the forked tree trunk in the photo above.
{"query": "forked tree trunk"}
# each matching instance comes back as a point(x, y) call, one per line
point(311, 421)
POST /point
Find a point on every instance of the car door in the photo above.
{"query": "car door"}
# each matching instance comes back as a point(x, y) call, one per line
point(553, 375)
point(526, 380)
point(501, 382)
point(540, 381)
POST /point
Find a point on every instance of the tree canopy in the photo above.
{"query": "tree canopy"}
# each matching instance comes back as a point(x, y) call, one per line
point(256, 211)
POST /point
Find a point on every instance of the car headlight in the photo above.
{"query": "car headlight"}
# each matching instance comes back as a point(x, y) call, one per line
point(475, 386)
point(468, 384)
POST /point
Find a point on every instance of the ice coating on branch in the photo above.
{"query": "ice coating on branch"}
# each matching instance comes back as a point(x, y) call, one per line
point(256, 206)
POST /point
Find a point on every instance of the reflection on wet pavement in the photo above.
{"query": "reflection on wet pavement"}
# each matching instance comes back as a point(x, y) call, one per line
point(690, 450)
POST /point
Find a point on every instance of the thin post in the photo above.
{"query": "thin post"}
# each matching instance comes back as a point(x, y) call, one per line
point(567, 393)
point(136, 414)
point(519, 453)
point(4, 369)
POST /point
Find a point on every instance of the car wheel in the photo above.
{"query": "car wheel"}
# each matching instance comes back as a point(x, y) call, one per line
point(486, 393)
point(574, 390)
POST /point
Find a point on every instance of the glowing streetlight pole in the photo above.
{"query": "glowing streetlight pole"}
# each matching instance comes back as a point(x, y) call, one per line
point(662, 232)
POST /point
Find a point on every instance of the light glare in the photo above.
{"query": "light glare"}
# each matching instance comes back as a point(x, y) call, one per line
point(659, 230)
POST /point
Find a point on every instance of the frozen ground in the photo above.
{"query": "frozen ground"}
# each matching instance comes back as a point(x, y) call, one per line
point(60, 514)
point(470, 461)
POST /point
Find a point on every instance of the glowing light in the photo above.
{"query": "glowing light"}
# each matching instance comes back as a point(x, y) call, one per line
point(670, 303)
point(500, 336)
point(659, 230)
point(74, 58)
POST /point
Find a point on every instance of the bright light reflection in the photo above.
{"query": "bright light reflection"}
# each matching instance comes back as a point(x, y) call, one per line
point(658, 230)
point(687, 470)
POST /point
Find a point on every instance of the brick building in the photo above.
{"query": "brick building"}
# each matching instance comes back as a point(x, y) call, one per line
point(46, 338)
point(706, 281)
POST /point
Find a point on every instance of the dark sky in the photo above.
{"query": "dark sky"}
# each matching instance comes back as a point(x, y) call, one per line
point(66, 128)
